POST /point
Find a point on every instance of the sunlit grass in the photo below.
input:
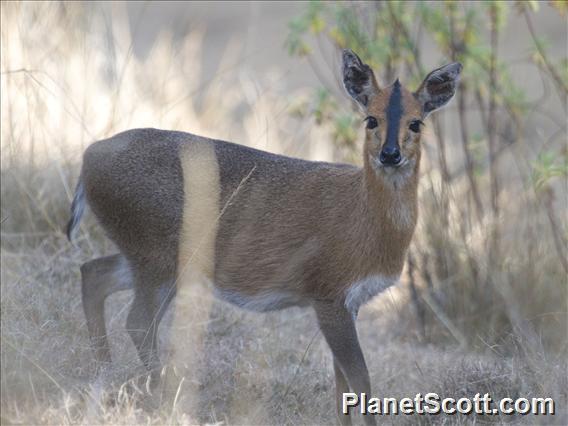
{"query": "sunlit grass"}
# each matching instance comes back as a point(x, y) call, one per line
point(69, 77)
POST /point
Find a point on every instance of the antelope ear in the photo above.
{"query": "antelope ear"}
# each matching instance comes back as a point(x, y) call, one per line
point(438, 87)
point(358, 79)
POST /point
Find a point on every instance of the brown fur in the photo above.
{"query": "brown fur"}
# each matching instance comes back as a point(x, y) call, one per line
point(270, 231)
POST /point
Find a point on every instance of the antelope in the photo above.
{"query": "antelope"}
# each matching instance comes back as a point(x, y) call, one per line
point(269, 231)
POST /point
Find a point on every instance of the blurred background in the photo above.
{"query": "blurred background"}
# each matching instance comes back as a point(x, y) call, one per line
point(482, 304)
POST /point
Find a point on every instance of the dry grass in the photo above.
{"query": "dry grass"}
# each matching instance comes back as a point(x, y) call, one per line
point(507, 338)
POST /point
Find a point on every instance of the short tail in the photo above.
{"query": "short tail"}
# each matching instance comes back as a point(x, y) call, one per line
point(77, 209)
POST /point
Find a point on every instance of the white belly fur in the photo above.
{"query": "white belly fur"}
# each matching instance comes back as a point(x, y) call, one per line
point(357, 295)
point(364, 290)
point(262, 302)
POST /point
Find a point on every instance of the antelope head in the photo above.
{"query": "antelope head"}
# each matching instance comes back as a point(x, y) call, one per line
point(395, 115)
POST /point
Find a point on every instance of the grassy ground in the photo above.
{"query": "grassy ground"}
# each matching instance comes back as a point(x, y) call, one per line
point(250, 369)
point(462, 335)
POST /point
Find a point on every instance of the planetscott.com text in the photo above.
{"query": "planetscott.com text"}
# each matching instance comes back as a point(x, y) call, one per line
point(432, 403)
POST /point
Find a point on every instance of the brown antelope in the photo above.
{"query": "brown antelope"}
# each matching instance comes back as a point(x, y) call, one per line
point(269, 231)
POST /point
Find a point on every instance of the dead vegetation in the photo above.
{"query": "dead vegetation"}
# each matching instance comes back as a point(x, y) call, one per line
point(446, 328)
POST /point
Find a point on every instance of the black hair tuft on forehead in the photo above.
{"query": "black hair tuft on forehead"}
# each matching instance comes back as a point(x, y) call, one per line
point(394, 113)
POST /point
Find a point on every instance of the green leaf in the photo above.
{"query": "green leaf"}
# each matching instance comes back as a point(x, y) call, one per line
point(533, 5)
point(317, 25)
point(548, 166)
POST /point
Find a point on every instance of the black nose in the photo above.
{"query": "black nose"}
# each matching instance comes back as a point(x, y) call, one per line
point(390, 155)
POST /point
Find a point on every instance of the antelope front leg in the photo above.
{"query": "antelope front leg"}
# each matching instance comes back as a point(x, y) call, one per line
point(338, 326)
point(341, 387)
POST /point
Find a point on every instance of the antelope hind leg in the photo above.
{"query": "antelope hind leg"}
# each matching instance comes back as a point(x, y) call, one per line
point(100, 278)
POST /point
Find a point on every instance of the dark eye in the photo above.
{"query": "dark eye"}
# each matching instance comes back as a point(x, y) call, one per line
point(371, 122)
point(415, 126)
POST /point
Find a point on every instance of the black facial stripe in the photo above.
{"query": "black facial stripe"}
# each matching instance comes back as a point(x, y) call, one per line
point(394, 114)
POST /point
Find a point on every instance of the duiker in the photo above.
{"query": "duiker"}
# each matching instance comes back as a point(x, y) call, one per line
point(269, 231)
